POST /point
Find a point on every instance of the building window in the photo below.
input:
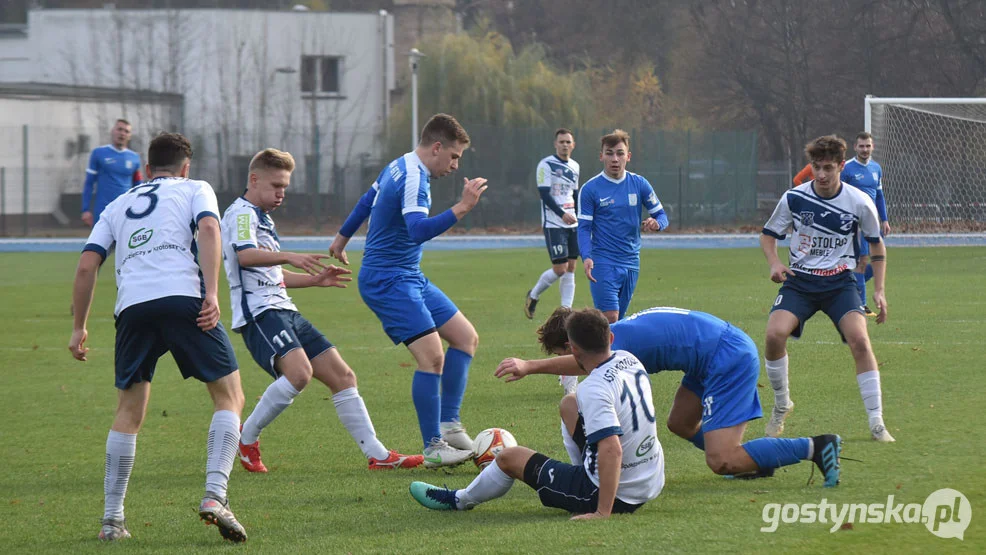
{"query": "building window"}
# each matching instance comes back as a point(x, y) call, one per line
point(320, 75)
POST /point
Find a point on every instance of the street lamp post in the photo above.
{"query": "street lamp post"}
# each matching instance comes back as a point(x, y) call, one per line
point(414, 56)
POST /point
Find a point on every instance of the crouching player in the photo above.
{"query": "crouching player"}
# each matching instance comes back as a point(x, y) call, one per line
point(282, 342)
point(622, 462)
point(717, 396)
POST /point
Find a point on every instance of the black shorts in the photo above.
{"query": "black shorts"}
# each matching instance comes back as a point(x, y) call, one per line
point(564, 486)
point(803, 295)
point(562, 243)
point(147, 330)
point(276, 333)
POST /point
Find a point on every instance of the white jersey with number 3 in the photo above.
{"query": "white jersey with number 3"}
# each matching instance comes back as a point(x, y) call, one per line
point(615, 399)
point(153, 226)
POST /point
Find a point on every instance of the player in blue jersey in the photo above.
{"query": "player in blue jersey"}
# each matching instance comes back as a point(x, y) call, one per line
point(113, 169)
point(167, 275)
point(281, 340)
point(413, 310)
point(717, 397)
point(827, 220)
point(610, 224)
point(866, 175)
point(621, 466)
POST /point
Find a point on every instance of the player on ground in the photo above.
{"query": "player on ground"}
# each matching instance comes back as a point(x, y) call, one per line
point(413, 310)
point(558, 179)
point(866, 175)
point(828, 220)
point(167, 281)
point(113, 169)
point(280, 339)
point(717, 397)
point(610, 224)
point(621, 463)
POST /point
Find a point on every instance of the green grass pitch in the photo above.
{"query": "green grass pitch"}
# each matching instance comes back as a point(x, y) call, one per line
point(320, 498)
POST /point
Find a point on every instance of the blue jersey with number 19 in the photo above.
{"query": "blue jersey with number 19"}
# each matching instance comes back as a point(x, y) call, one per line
point(402, 187)
point(153, 226)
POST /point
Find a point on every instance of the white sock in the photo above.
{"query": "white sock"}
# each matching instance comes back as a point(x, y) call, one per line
point(567, 287)
point(224, 435)
point(777, 374)
point(869, 390)
point(120, 450)
point(544, 282)
point(352, 413)
point(279, 396)
point(490, 484)
point(574, 453)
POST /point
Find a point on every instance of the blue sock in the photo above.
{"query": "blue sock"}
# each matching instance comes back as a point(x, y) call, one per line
point(775, 452)
point(424, 391)
point(869, 272)
point(698, 440)
point(455, 374)
point(861, 285)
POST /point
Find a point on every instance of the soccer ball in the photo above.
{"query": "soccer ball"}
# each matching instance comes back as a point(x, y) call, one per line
point(489, 443)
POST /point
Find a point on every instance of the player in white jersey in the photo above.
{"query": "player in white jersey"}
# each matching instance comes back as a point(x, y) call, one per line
point(623, 462)
point(283, 342)
point(167, 279)
point(557, 181)
point(827, 218)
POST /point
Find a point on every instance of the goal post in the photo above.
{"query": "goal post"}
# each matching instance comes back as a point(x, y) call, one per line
point(933, 155)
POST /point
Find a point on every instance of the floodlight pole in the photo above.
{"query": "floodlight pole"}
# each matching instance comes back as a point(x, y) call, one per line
point(414, 56)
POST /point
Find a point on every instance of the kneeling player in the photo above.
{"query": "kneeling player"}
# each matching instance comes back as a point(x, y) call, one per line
point(283, 342)
point(717, 396)
point(622, 463)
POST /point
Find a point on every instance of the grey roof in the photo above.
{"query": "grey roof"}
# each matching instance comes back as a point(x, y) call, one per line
point(52, 90)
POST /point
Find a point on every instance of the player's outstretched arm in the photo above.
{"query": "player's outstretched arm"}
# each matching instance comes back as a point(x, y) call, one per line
point(514, 369)
point(332, 276)
point(83, 289)
point(309, 262)
point(610, 458)
point(778, 271)
point(210, 260)
point(878, 259)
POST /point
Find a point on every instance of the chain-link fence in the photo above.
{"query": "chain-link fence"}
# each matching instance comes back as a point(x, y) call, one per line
point(704, 179)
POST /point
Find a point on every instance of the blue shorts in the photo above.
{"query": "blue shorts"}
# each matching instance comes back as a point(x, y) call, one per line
point(728, 390)
point(147, 330)
point(276, 333)
point(564, 486)
point(562, 243)
point(408, 305)
point(803, 295)
point(864, 246)
point(613, 287)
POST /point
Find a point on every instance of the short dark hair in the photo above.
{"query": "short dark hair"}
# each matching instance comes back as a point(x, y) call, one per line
point(589, 330)
point(564, 131)
point(121, 120)
point(552, 335)
point(863, 135)
point(168, 151)
point(616, 137)
point(828, 147)
point(445, 129)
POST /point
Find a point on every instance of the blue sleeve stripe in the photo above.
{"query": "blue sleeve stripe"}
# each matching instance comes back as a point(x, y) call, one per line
point(873, 240)
point(93, 247)
point(204, 214)
point(244, 247)
point(772, 234)
point(602, 434)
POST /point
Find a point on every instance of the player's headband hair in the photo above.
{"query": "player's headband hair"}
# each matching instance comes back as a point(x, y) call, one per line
point(272, 159)
point(588, 329)
point(863, 135)
point(168, 151)
point(443, 128)
point(828, 147)
point(552, 335)
point(564, 131)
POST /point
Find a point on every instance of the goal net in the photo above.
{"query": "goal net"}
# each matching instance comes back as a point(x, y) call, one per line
point(933, 154)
